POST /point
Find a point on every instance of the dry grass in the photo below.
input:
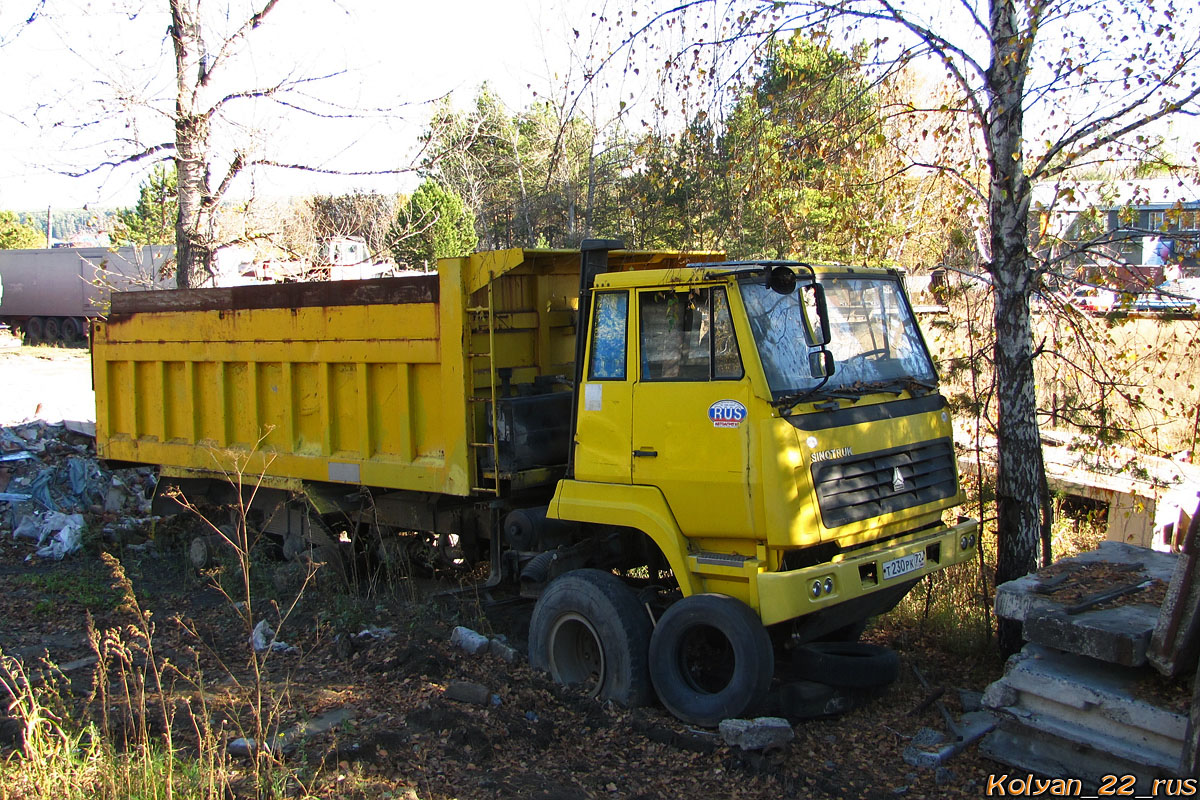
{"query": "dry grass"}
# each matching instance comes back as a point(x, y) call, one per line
point(1120, 379)
point(951, 609)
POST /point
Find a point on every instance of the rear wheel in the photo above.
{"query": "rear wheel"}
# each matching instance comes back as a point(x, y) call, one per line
point(711, 659)
point(52, 330)
point(71, 330)
point(589, 630)
point(34, 331)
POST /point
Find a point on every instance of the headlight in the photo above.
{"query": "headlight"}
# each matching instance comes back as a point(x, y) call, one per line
point(816, 589)
point(829, 586)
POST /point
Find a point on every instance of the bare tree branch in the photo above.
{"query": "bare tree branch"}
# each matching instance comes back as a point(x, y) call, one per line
point(266, 162)
point(250, 24)
point(157, 150)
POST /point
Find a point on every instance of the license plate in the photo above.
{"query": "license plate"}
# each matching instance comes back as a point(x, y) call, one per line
point(903, 565)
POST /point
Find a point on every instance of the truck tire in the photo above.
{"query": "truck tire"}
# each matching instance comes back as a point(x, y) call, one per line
point(52, 331)
point(711, 659)
point(34, 330)
point(71, 330)
point(589, 630)
point(850, 665)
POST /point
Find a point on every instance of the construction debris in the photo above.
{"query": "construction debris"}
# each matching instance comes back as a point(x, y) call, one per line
point(65, 532)
point(1069, 715)
point(262, 639)
point(55, 492)
point(1117, 631)
point(756, 734)
point(1149, 498)
point(930, 748)
point(1176, 639)
point(1080, 699)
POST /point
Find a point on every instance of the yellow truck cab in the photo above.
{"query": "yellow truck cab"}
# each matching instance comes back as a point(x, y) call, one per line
point(775, 428)
point(686, 461)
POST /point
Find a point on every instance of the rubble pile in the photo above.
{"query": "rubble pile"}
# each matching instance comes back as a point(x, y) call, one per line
point(1076, 701)
point(56, 493)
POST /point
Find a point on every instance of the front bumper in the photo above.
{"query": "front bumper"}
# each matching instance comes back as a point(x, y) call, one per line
point(787, 595)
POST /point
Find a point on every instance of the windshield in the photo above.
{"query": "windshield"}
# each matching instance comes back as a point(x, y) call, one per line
point(873, 339)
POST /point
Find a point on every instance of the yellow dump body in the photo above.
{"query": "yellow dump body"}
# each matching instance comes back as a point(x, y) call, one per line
point(383, 382)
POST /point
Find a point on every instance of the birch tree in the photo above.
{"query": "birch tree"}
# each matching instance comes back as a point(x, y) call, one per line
point(1044, 87)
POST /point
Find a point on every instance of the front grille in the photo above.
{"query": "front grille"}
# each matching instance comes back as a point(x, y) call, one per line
point(859, 487)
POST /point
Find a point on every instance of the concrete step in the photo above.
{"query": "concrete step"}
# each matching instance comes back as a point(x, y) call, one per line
point(1119, 635)
point(1085, 707)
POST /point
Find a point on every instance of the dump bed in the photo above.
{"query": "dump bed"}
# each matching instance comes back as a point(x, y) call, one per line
point(386, 382)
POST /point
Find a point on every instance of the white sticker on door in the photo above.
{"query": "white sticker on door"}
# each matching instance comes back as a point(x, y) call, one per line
point(593, 396)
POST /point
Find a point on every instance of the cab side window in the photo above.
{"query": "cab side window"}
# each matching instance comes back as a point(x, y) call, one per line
point(609, 330)
point(688, 336)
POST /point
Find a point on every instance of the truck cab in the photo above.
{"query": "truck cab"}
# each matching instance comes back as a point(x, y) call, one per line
point(776, 429)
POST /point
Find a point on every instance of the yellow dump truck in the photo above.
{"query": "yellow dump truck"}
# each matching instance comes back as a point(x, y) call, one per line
point(682, 458)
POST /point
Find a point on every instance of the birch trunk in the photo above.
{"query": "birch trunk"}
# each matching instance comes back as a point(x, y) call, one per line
point(1018, 484)
point(194, 226)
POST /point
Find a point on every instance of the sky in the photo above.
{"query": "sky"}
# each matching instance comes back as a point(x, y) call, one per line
point(88, 81)
point(70, 76)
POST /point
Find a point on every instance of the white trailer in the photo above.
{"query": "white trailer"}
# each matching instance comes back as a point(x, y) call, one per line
point(48, 295)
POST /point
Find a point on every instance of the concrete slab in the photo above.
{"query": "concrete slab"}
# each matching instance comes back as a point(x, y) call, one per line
point(1032, 751)
point(1089, 704)
point(1150, 499)
point(1118, 635)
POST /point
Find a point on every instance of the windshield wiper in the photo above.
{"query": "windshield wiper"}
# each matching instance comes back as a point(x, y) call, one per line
point(895, 386)
point(917, 383)
point(793, 399)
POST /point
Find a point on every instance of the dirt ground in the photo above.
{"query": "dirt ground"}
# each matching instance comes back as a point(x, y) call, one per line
point(406, 735)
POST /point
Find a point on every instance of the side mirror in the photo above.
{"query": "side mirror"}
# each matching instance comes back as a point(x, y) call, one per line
point(816, 314)
point(820, 363)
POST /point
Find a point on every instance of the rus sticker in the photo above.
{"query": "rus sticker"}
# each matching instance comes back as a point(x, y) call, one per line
point(726, 413)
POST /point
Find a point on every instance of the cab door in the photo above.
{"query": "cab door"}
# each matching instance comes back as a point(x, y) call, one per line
point(690, 426)
point(605, 412)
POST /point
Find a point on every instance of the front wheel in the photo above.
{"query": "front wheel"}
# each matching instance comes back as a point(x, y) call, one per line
point(589, 630)
point(711, 659)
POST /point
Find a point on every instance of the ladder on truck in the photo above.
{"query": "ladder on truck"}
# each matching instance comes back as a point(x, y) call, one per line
point(479, 443)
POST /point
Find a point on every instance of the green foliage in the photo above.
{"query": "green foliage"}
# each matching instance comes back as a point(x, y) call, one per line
point(16, 235)
point(790, 172)
point(433, 223)
point(152, 220)
point(68, 223)
point(90, 589)
point(538, 177)
point(796, 154)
